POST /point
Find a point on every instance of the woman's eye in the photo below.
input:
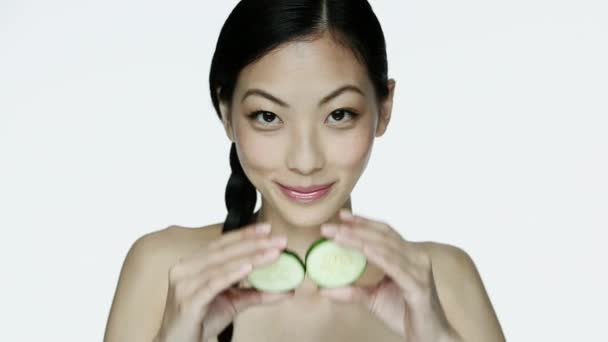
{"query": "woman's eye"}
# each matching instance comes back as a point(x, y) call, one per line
point(338, 115)
point(267, 117)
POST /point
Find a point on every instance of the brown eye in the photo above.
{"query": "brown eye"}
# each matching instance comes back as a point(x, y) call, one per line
point(338, 115)
point(267, 117)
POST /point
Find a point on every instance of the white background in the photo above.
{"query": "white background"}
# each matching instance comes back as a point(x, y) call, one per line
point(498, 144)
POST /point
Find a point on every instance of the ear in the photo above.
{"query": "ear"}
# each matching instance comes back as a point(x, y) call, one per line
point(226, 117)
point(386, 107)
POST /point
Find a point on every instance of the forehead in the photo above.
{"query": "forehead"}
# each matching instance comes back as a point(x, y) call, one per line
point(315, 67)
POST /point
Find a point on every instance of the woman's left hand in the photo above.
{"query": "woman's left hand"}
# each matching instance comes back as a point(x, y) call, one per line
point(406, 299)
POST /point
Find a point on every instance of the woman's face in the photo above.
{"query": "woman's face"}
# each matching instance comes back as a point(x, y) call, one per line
point(299, 135)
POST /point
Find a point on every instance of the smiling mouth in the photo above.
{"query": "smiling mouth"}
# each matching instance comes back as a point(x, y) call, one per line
point(308, 189)
point(307, 194)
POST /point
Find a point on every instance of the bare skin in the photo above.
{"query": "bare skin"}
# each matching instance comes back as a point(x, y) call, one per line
point(320, 318)
point(139, 302)
point(286, 133)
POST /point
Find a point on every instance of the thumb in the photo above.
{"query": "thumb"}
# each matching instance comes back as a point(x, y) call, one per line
point(246, 298)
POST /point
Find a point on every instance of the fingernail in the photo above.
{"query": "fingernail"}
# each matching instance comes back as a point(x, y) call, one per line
point(263, 228)
point(280, 240)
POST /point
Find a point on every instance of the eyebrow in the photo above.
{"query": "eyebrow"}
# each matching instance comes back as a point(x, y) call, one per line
point(324, 100)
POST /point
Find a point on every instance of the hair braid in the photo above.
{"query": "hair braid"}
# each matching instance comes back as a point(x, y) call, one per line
point(240, 200)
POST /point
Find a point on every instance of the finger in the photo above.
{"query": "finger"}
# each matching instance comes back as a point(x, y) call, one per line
point(366, 240)
point(261, 258)
point(396, 266)
point(358, 239)
point(208, 258)
point(365, 236)
point(380, 227)
point(208, 287)
point(359, 220)
point(372, 251)
point(206, 276)
point(246, 232)
point(205, 294)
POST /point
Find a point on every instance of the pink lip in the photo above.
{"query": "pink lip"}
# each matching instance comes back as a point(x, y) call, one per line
point(308, 189)
point(306, 194)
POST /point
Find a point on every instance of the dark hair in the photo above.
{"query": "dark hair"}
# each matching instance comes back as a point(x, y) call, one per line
point(256, 27)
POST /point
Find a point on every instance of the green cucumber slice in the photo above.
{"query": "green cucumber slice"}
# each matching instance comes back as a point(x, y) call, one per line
point(331, 265)
point(285, 274)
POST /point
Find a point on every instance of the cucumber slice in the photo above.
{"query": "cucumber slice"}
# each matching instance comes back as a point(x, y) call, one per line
point(285, 274)
point(331, 265)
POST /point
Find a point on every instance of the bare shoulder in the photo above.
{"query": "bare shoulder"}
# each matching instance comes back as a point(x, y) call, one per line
point(189, 237)
point(141, 291)
point(445, 253)
point(462, 293)
point(166, 246)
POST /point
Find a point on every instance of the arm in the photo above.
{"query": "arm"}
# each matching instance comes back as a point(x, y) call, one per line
point(138, 304)
point(463, 295)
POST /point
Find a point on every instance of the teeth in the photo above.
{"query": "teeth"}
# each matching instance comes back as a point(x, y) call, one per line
point(307, 194)
point(304, 193)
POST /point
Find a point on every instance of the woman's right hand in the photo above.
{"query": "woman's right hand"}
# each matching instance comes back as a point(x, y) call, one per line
point(200, 302)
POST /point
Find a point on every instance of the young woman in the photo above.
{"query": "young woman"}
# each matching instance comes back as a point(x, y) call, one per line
point(301, 88)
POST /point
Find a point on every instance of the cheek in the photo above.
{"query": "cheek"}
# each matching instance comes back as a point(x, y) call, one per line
point(258, 153)
point(352, 150)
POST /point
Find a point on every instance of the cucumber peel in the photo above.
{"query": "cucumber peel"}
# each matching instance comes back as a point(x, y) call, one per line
point(330, 264)
point(285, 274)
point(326, 262)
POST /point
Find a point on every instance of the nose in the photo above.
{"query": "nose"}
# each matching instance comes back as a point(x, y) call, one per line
point(305, 155)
